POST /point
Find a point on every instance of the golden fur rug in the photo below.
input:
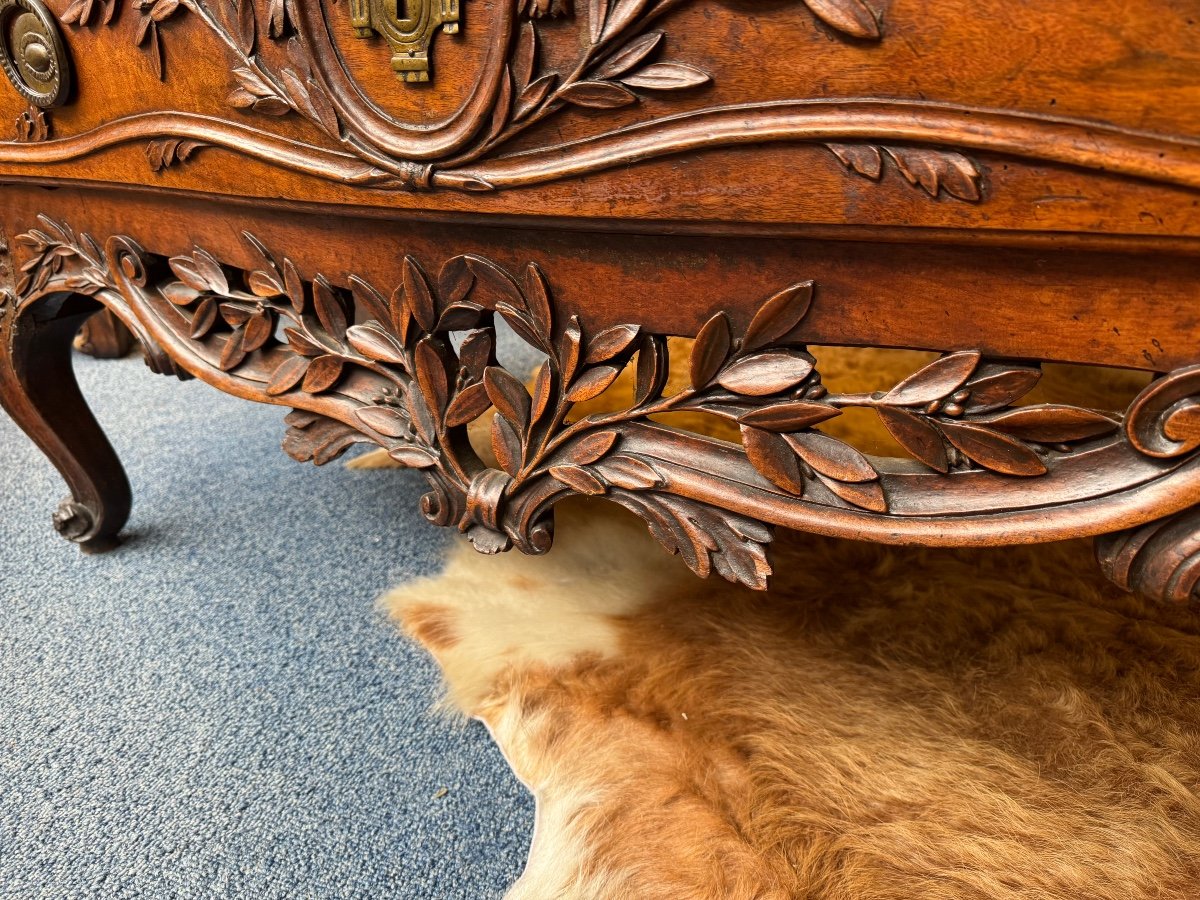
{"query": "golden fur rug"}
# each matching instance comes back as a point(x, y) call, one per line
point(884, 723)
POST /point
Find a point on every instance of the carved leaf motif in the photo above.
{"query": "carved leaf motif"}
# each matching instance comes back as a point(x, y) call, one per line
point(186, 271)
point(653, 368)
point(317, 438)
point(264, 284)
point(597, 12)
point(204, 318)
point(166, 152)
point(864, 494)
point(455, 280)
point(941, 377)
point(235, 314)
point(509, 396)
point(420, 416)
point(569, 346)
point(864, 159)
point(520, 323)
point(277, 18)
point(533, 95)
point(778, 316)
point(706, 539)
point(375, 343)
point(537, 297)
point(593, 447)
point(578, 479)
point(831, 457)
point(418, 295)
point(383, 419)
point(323, 373)
point(180, 294)
point(934, 170)
point(630, 55)
point(667, 77)
point(993, 450)
point(329, 308)
point(773, 457)
point(506, 444)
point(259, 329)
point(993, 387)
point(1052, 424)
point(632, 473)
point(610, 343)
point(543, 390)
point(592, 383)
point(496, 282)
point(793, 416)
point(460, 317)
point(475, 353)
point(287, 375)
point(294, 287)
point(710, 350)
point(301, 344)
point(766, 373)
point(413, 457)
point(232, 354)
point(471, 403)
point(916, 435)
point(371, 302)
point(247, 27)
point(525, 57)
point(431, 375)
point(597, 94)
point(621, 14)
point(852, 17)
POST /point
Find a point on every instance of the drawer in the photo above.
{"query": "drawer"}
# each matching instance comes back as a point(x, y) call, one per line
point(1076, 116)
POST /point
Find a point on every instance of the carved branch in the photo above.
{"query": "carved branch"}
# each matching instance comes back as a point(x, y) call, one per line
point(361, 365)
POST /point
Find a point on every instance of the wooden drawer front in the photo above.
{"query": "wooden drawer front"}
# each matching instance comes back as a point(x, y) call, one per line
point(1077, 115)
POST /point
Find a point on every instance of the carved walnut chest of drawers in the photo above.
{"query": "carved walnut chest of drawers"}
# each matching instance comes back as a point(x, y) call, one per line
point(330, 205)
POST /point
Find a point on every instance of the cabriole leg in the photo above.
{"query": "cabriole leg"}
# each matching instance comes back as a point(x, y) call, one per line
point(38, 389)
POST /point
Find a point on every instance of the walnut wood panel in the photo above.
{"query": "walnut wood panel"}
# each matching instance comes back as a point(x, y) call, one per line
point(968, 115)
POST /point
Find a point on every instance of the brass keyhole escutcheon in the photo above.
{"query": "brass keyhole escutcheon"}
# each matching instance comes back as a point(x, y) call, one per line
point(32, 52)
point(408, 26)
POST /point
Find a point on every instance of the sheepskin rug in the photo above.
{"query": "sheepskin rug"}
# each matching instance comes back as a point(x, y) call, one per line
point(884, 723)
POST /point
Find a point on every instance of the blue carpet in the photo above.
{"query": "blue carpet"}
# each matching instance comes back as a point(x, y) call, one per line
point(216, 709)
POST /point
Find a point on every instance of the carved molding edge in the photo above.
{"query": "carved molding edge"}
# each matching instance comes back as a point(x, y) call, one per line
point(358, 365)
point(926, 143)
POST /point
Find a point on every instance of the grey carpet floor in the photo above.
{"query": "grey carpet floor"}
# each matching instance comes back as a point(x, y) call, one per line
point(216, 709)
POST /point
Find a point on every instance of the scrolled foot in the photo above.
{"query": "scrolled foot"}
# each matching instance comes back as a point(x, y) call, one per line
point(77, 524)
point(1159, 560)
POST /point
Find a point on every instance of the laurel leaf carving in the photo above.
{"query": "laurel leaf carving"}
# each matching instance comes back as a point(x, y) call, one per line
point(773, 457)
point(470, 403)
point(993, 450)
point(1052, 423)
point(710, 350)
point(667, 77)
point(943, 376)
point(767, 372)
point(852, 17)
point(597, 94)
point(579, 479)
point(778, 316)
point(916, 435)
